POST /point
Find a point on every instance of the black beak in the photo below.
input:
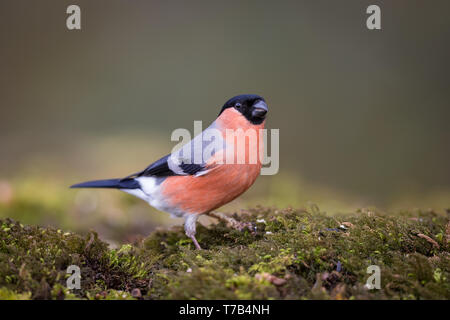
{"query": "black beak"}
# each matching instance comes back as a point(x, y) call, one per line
point(259, 109)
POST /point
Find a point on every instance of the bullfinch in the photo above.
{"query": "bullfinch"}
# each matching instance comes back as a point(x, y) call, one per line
point(206, 172)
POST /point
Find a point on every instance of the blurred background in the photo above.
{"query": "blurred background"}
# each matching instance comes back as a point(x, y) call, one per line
point(363, 115)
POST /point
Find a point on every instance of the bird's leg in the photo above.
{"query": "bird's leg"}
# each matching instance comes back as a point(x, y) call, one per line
point(190, 228)
point(233, 223)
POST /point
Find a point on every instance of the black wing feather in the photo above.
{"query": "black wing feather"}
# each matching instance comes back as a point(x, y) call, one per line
point(190, 168)
point(160, 168)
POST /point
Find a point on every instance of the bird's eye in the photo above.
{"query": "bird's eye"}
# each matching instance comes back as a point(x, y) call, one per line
point(238, 105)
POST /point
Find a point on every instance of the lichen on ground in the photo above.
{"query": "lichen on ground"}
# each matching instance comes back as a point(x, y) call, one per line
point(294, 254)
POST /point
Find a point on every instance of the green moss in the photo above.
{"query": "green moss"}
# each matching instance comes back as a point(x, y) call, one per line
point(34, 259)
point(294, 254)
point(6, 294)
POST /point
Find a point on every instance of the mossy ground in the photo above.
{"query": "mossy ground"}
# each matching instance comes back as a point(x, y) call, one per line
point(294, 254)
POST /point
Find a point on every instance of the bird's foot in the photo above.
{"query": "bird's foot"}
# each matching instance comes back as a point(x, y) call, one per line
point(194, 240)
point(233, 223)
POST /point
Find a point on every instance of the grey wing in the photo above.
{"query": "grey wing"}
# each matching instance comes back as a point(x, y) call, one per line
point(189, 159)
point(193, 157)
point(161, 168)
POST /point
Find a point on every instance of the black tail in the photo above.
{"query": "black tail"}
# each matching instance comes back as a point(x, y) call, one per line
point(110, 183)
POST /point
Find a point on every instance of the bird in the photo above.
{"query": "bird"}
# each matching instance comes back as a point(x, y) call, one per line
point(190, 182)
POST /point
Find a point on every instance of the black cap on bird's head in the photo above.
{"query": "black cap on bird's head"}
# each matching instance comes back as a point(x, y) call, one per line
point(251, 106)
